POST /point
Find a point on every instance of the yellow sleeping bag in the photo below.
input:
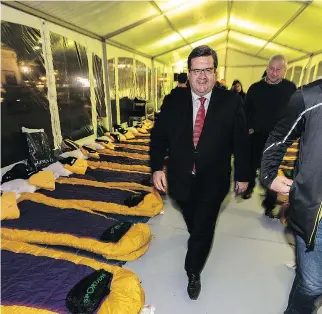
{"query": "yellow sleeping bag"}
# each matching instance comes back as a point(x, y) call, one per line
point(44, 179)
point(9, 208)
point(126, 294)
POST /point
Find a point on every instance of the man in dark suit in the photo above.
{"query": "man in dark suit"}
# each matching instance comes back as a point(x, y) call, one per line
point(200, 128)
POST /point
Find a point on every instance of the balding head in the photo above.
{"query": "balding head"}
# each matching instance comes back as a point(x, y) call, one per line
point(276, 69)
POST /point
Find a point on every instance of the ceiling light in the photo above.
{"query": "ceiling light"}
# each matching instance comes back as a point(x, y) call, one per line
point(244, 24)
point(169, 40)
point(170, 4)
point(276, 47)
point(209, 39)
point(200, 28)
point(188, 5)
point(247, 39)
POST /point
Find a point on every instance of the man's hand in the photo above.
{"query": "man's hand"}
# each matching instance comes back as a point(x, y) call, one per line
point(240, 187)
point(251, 131)
point(281, 185)
point(159, 180)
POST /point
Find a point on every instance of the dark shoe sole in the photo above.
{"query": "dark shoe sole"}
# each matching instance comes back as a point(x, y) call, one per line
point(193, 296)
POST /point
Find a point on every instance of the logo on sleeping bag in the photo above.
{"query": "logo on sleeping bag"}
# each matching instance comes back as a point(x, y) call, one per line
point(91, 289)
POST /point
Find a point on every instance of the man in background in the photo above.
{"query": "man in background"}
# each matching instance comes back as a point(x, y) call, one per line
point(181, 87)
point(182, 80)
point(303, 119)
point(265, 103)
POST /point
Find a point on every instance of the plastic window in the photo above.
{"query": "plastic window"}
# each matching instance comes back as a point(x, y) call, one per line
point(99, 86)
point(297, 75)
point(140, 80)
point(319, 72)
point(126, 78)
point(24, 99)
point(312, 74)
point(289, 74)
point(111, 78)
point(73, 87)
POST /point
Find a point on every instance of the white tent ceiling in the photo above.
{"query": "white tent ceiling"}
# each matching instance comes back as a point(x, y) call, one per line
point(167, 30)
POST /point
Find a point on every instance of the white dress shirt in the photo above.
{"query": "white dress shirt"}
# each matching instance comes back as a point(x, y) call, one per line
point(196, 104)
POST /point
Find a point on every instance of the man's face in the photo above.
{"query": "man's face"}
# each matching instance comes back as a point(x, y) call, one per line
point(275, 71)
point(202, 82)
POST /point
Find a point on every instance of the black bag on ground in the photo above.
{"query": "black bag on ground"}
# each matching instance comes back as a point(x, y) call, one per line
point(86, 296)
point(70, 144)
point(40, 152)
point(68, 160)
point(19, 171)
point(116, 232)
point(116, 137)
point(134, 199)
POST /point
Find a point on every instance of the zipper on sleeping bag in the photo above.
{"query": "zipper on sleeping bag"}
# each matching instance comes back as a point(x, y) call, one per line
point(313, 234)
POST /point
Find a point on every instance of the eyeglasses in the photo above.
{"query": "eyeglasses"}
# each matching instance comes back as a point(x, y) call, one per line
point(207, 71)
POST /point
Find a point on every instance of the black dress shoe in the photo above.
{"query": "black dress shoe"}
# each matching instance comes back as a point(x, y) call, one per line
point(248, 193)
point(194, 286)
point(268, 206)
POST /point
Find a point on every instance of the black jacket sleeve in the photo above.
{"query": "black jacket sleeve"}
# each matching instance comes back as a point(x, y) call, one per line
point(248, 105)
point(159, 137)
point(241, 145)
point(287, 130)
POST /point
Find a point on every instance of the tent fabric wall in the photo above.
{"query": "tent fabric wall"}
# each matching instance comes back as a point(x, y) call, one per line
point(24, 100)
point(92, 46)
point(115, 54)
point(310, 68)
point(247, 75)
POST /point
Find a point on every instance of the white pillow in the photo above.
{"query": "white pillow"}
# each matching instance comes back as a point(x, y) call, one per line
point(58, 169)
point(18, 186)
point(74, 153)
point(95, 145)
point(105, 138)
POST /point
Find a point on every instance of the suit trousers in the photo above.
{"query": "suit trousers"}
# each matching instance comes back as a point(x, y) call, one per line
point(257, 143)
point(200, 217)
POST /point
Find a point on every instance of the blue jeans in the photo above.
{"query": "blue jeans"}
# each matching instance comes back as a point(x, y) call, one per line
point(307, 285)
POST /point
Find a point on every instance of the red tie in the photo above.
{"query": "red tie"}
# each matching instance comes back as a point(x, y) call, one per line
point(200, 119)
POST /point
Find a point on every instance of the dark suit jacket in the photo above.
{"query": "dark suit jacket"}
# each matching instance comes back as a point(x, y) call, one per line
point(224, 133)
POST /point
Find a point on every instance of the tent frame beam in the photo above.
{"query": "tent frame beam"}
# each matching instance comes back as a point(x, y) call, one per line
point(25, 8)
point(153, 3)
point(129, 49)
point(229, 9)
point(278, 44)
point(130, 26)
point(247, 53)
point(227, 30)
point(290, 21)
point(191, 43)
point(306, 56)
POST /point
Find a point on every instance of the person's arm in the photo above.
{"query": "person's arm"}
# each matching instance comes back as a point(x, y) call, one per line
point(287, 130)
point(241, 148)
point(159, 145)
point(249, 105)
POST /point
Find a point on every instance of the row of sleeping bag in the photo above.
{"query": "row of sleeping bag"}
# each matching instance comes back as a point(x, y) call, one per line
point(286, 169)
point(68, 227)
point(120, 150)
